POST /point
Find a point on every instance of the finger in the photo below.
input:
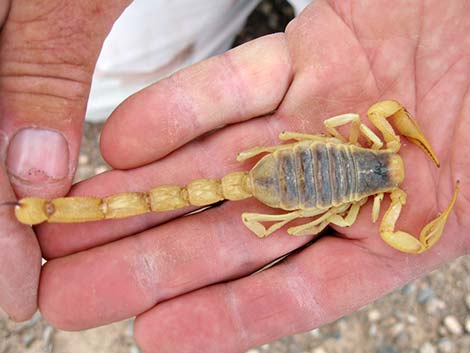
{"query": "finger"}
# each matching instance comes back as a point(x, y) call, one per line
point(243, 83)
point(47, 54)
point(4, 7)
point(320, 284)
point(20, 260)
point(131, 275)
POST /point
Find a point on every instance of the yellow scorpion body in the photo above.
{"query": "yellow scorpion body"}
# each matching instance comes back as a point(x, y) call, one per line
point(324, 177)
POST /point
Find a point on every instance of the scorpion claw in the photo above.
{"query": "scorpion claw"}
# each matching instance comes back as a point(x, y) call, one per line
point(404, 124)
point(408, 127)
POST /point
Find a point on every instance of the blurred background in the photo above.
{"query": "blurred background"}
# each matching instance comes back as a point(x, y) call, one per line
point(430, 315)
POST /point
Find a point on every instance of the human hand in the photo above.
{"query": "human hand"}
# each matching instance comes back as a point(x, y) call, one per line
point(47, 54)
point(188, 279)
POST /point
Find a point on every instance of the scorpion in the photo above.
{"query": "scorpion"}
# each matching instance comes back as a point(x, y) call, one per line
point(324, 177)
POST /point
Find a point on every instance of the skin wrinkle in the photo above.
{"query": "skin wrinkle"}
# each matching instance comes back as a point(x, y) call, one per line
point(415, 57)
point(352, 29)
point(233, 80)
point(224, 248)
point(289, 64)
point(460, 212)
point(304, 294)
point(38, 15)
point(443, 197)
point(441, 77)
point(184, 105)
point(58, 97)
point(23, 79)
point(145, 269)
point(205, 163)
point(43, 75)
point(233, 313)
point(359, 41)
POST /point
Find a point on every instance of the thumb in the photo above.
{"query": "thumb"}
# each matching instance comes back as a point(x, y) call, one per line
point(48, 51)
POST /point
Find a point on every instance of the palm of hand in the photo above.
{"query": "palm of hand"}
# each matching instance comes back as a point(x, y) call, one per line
point(339, 58)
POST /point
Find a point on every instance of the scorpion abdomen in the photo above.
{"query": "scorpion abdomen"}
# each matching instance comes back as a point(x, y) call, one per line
point(312, 174)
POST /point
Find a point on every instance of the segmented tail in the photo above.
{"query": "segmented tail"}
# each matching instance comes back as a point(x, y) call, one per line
point(201, 192)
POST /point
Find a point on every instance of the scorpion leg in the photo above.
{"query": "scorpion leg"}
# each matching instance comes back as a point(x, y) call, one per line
point(357, 127)
point(405, 242)
point(376, 206)
point(333, 216)
point(299, 136)
point(253, 221)
point(403, 122)
point(253, 152)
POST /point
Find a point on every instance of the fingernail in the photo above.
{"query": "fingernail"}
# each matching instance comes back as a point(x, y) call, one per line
point(38, 155)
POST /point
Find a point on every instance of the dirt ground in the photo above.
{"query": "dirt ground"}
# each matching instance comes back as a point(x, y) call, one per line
point(430, 315)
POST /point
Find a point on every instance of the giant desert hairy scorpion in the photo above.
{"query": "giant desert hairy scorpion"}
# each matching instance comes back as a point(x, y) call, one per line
point(323, 176)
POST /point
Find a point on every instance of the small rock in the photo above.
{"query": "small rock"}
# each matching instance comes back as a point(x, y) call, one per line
point(397, 329)
point(83, 159)
point(402, 339)
point(374, 315)
point(387, 349)
point(319, 350)
point(27, 339)
point(135, 349)
point(373, 330)
point(411, 319)
point(315, 333)
point(409, 288)
point(434, 305)
point(47, 338)
point(445, 345)
point(424, 295)
point(427, 347)
point(453, 325)
point(130, 328)
point(343, 324)
point(467, 324)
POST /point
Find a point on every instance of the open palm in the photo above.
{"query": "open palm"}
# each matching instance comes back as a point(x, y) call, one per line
point(188, 278)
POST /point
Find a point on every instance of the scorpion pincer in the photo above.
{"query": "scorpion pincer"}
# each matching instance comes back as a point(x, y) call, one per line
point(325, 177)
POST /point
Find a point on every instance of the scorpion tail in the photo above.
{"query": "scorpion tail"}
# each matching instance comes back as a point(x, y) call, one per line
point(201, 192)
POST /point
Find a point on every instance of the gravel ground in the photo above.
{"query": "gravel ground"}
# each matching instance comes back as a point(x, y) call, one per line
point(430, 315)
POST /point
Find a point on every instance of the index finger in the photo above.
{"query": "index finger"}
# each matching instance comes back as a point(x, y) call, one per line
point(222, 90)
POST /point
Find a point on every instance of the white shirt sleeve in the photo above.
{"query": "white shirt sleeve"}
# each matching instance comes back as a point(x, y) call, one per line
point(154, 38)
